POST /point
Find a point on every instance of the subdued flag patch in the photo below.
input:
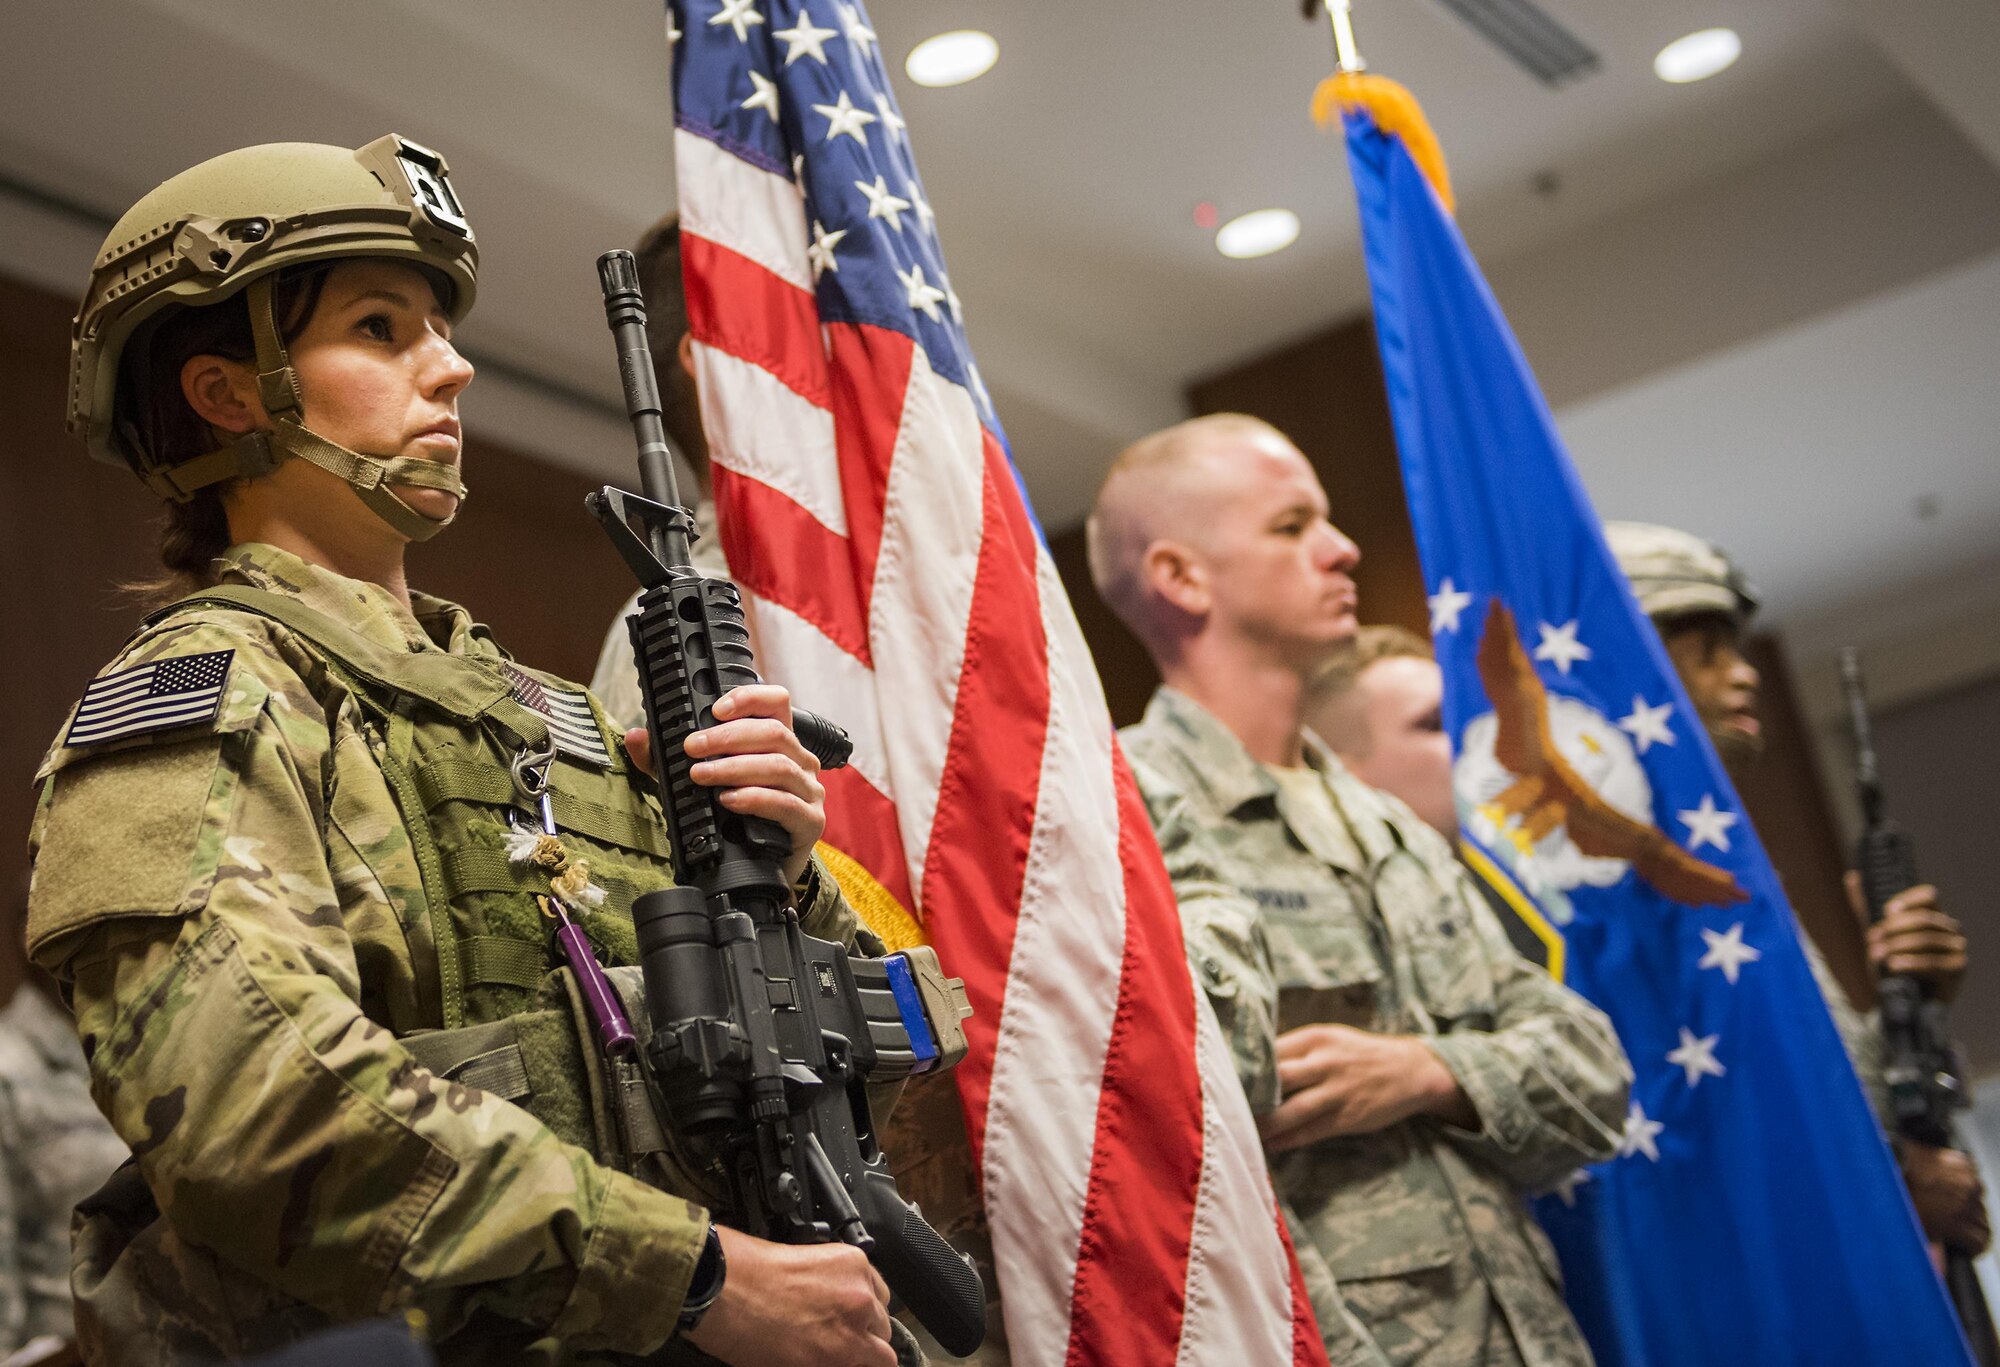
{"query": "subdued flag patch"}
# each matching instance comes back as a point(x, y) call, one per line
point(572, 725)
point(158, 696)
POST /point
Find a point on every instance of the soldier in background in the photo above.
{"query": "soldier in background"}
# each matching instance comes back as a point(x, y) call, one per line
point(55, 1149)
point(1701, 604)
point(1413, 1078)
point(1380, 706)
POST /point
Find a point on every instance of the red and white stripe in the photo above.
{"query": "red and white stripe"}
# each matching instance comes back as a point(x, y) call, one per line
point(898, 584)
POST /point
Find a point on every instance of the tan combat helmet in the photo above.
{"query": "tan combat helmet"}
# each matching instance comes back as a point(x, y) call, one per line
point(1677, 574)
point(227, 227)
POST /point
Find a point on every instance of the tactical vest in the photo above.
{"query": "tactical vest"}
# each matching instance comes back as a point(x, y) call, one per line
point(506, 1015)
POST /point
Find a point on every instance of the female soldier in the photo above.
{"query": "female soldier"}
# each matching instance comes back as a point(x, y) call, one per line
point(282, 837)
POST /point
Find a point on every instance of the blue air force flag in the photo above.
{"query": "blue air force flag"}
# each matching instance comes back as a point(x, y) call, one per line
point(1755, 1213)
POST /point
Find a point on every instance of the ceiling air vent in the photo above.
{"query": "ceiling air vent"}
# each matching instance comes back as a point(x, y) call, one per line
point(1544, 48)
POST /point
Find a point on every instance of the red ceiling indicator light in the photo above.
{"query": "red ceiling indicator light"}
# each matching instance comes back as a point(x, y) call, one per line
point(1206, 216)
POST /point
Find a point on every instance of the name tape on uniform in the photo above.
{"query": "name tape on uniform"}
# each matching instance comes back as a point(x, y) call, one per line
point(157, 696)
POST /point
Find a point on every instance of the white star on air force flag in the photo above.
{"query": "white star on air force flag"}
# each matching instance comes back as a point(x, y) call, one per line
point(1559, 645)
point(1648, 725)
point(1640, 1134)
point(1727, 951)
point(1565, 1190)
point(1707, 824)
point(1446, 604)
point(1696, 1057)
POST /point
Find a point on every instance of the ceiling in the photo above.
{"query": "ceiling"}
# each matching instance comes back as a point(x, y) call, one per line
point(1925, 506)
point(1065, 183)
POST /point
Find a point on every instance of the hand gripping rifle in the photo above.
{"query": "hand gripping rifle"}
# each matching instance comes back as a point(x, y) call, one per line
point(763, 1037)
point(1920, 1065)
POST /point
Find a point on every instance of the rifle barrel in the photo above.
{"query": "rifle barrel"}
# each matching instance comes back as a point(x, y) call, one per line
point(1867, 779)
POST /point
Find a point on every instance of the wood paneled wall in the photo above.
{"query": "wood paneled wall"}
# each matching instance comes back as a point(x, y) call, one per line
point(1326, 393)
point(523, 556)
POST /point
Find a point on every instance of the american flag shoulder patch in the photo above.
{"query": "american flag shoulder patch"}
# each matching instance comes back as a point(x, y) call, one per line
point(572, 723)
point(160, 695)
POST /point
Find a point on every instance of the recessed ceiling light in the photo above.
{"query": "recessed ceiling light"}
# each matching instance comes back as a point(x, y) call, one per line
point(952, 58)
point(1257, 234)
point(1697, 56)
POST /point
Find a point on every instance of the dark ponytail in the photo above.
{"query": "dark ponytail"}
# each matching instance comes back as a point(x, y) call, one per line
point(154, 415)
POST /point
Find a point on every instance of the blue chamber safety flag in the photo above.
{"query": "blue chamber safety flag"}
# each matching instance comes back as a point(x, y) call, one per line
point(1754, 1214)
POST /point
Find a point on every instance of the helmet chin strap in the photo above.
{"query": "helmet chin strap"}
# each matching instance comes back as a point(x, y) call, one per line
point(258, 453)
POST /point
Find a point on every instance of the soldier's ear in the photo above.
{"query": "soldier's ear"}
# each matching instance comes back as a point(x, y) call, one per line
point(1177, 576)
point(223, 393)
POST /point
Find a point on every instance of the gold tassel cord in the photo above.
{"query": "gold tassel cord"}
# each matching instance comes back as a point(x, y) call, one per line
point(1396, 111)
point(878, 908)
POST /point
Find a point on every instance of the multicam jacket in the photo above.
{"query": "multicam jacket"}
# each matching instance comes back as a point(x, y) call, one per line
point(1367, 922)
point(236, 909)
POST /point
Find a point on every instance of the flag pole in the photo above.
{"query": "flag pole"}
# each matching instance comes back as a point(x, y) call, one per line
point(1341, 12)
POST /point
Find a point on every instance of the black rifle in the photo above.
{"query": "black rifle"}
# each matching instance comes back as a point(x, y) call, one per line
point(763, 1037)
point(1920, 1065)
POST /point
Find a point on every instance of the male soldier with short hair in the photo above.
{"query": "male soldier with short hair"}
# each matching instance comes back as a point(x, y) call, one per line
point(1701, 604)
point(1380, 707)
point(1412, 1075)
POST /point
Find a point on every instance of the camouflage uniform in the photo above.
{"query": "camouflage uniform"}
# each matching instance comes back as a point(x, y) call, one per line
point(237, 912)
point(56, 1149)
point(1364, 919)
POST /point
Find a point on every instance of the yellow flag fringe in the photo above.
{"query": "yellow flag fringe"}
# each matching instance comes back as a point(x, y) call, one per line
point(1395, 110)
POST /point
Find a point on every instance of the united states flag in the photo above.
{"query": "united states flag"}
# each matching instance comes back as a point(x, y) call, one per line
point(572, 725)
point(178, 691)
point(897, 580)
